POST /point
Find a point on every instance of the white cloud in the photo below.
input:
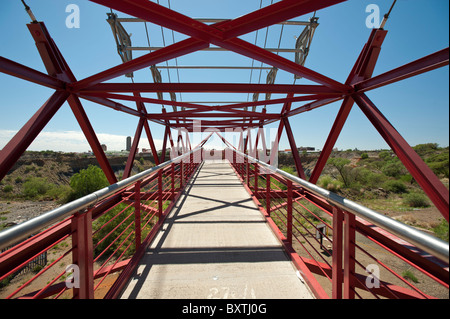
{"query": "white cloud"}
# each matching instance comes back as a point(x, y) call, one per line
point(74, 141)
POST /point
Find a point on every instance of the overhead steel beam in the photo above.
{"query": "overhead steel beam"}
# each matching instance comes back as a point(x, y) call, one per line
point(28, 74)
point(165, 17)
point(273, 14)
point(209, 87)
point(214, 20)
point(425, 64)
point(187, 114)
point(170, 52)
point(279, 50)
point(138, 98)
point(111, 104)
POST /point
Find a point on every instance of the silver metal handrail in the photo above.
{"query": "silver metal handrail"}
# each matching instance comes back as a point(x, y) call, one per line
point(17, 233)
point(426, 242)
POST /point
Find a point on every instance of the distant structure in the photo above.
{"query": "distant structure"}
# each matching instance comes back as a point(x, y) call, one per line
point(104, 148)
point(128, 143)
point(306, 149)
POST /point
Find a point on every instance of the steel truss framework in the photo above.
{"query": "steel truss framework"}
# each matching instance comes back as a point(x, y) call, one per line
point(225, 35)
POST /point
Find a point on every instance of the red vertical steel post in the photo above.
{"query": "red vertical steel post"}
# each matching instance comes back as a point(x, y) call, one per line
point(268, 193)
point(255, 191)
point(337, 271)
point(172, 179)
point(137, 214)
point(160, 196)
point(181, 174)
point(289, 212)
point(349, 255)
point(247, 172)
point(82, 254)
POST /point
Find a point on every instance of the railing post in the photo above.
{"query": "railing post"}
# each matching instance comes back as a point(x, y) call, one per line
point(289, 212)
point(181, 174)
point(255, 191)
point(160, 196)
point(82, 254)
point(247, 172)
point(349, 255)
point(137, 214)
point(268, 194)
point(172, 179)
point(338, 220)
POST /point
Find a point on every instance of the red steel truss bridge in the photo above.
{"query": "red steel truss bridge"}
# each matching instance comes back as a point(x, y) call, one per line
point(334, 247)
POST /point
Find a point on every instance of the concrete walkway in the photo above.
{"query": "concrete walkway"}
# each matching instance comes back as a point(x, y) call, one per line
point(215, 244)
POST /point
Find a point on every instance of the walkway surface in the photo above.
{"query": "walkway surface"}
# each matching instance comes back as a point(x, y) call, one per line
point(216, 244)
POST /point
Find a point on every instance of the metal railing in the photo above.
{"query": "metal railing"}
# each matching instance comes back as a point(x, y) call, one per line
point(333, 237)
point(94, 242)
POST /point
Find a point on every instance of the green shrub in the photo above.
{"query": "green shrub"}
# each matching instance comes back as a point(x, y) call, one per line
point(34, 187)
point(329, 183)
point(364, 156)
point(370, 179)
point(87, 181)
point(394, 169)
point(385, 155)
point(395, 186)
point(7, 188)
point(416, 200)
point(439, 163)
point(441, 230)
point(408, 274)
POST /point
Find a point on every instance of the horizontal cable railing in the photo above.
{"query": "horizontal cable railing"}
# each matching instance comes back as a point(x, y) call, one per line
point(93, 243)
point(360, 252)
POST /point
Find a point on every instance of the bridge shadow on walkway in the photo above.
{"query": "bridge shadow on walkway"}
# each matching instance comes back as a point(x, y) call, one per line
point(215, 244)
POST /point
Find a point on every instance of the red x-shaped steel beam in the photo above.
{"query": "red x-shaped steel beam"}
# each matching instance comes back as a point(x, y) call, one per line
point(223, 34)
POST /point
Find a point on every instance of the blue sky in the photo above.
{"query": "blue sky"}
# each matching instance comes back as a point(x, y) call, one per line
point(417, 107)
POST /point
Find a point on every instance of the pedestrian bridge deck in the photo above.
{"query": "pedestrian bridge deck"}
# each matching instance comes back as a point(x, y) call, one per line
point(216, 244)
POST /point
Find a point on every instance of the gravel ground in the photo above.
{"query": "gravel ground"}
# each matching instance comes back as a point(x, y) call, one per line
point(12, 213)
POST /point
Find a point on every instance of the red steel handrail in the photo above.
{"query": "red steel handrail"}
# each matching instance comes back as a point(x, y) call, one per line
point(102, 240)
point(303, 221)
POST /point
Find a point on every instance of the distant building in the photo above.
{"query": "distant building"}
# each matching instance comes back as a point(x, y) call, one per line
point(128, 143)
point(306, 149)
